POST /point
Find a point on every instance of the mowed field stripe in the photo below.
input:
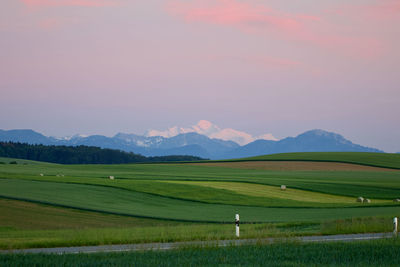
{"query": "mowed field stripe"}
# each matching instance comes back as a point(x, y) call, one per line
point(274, 192)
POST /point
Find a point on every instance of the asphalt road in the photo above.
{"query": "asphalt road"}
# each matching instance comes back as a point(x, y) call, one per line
point(219, 243)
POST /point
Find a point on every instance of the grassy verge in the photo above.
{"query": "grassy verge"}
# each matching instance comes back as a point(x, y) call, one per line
point(357, 225)
point(16, 239)
point(366, 253)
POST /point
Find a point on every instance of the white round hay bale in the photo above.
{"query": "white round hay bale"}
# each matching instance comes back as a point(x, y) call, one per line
point(283, 187)
point(367, 200)
point(360, 199)
point(111, 177)
point(396, 200)
point(41, 174)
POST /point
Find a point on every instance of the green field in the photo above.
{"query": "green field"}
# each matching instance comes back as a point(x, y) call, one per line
point(197, 201)
point(386, 160)
point(366, 253)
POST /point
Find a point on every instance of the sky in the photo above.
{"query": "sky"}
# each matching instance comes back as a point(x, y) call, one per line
point(281, 66)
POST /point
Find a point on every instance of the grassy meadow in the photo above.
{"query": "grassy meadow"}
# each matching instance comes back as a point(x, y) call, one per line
point(43, 204)
point(365, 253)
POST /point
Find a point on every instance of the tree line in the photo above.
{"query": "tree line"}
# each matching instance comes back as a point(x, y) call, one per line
point(80, 154)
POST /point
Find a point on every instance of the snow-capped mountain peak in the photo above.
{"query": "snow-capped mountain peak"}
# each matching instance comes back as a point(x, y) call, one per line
point(70, 137)
point(211, 130)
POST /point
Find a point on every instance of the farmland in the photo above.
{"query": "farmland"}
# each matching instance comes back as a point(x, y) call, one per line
point(368, 159)
point(79, 204)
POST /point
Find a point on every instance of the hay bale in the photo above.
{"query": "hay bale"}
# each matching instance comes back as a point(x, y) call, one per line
point(111, 177)
point(41, 174)
point(283, 187)
point(367, 200)
point(396, 200)
point(360, 199)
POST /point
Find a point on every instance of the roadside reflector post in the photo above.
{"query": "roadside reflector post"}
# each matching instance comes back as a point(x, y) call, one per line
point(237, 224)
point(395, 226)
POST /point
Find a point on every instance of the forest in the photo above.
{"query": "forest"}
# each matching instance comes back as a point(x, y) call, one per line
point(80, 154)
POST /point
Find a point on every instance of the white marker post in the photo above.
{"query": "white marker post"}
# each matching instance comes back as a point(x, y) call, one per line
point(395, 226)
point(237, 224)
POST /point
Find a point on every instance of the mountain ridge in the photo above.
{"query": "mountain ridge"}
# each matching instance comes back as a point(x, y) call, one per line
point(316, 140)
point(196, 144)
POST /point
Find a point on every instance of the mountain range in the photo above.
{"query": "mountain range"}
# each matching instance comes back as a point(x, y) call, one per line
point(197, 142)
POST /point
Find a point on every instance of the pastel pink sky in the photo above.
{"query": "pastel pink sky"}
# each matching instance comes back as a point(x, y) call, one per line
point(81, 3)
point(279, 66)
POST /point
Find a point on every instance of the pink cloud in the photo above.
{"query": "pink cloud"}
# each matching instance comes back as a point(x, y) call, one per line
point(262, 19)
point(252, 18)
point(385, 9)
point(381, 10)
point(240, 14)
point(58, 3)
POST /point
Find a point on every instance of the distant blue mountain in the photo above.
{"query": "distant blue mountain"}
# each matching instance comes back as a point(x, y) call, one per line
point(196, 144)
point(310, 141)
point(25, 136)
